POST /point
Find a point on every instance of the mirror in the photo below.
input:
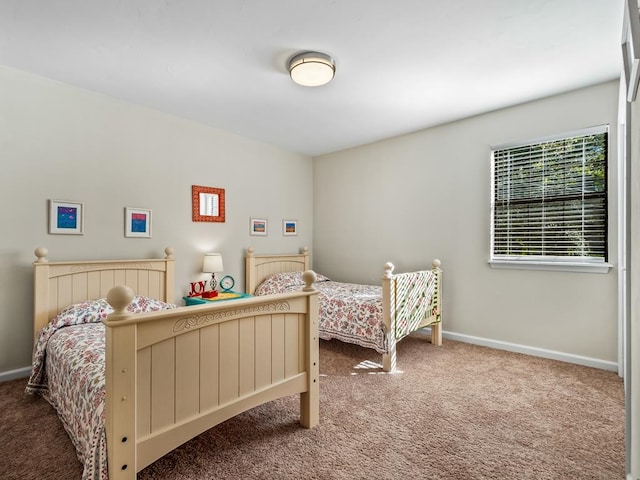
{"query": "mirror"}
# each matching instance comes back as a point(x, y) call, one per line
point(207, 204)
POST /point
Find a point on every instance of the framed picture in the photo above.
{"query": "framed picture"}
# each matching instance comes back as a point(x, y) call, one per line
point(66, 218)
point(289, 227)
point(631, 48)
point(258, 226)
point(207, 204)
point(137, 222)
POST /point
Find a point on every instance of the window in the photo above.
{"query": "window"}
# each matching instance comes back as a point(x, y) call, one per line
point(550, 201)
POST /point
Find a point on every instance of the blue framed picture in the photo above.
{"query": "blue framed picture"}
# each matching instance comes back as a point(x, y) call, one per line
point(137, 222)
point(66, 218)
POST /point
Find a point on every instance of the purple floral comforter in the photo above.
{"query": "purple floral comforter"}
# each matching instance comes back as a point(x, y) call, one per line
point(348, 312)
point(68, 370)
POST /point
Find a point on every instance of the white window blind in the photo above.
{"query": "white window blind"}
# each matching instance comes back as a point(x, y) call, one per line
point(550, 199)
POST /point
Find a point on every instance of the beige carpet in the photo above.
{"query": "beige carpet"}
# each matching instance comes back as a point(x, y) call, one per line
point(454, 412)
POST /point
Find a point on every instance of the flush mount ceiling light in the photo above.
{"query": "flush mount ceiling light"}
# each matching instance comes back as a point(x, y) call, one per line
point(311, 69)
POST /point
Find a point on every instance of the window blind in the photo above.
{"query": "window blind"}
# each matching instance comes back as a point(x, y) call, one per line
point(550, 198)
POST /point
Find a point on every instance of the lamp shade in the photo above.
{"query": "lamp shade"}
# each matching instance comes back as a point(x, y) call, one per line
point(312, 69)
point(212, 263)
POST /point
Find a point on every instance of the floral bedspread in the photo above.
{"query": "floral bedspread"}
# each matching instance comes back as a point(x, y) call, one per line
point(348, 312)
point(68, 370)
point(75, 373)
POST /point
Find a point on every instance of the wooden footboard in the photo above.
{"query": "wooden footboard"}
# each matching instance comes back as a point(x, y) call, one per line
point(410, 301)
point(173, 374)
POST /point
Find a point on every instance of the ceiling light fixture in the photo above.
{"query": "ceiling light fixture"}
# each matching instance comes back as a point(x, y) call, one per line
point(311, 69)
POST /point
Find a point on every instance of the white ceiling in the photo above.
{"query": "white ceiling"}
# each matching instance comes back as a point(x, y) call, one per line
point(402, 65)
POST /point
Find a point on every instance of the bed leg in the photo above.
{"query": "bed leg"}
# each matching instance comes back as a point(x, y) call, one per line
point(389, 359)
point(120, 387)
point(436, 334)
point(310, 400)
point(309, 412)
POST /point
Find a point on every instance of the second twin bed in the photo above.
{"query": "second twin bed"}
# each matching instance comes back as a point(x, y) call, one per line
point(372, 316)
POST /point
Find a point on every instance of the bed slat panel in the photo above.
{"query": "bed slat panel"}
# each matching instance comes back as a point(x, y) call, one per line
point(54, 308)
point(93, 285)
point(143, 383)
point(291, 345)
point(107, 282)
point(187, 375)
point(229, 350)
point(247, 356)
point(162, 384)
point(120, 277)
point(65, 292)
point(263, 351)
point(160, 286)
point(131, 280)
point(156, 285)
point(78, 288)
point(277, 335)
point(143, 284)
point(209, 367)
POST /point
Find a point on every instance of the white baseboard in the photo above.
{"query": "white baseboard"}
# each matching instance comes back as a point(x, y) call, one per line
point(535, 351)
point(13, 374)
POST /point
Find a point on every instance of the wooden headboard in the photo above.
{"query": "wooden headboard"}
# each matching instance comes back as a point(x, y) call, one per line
point(259, 267)
point(60, 284)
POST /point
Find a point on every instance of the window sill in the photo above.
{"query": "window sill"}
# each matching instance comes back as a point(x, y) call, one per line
point(581, 267)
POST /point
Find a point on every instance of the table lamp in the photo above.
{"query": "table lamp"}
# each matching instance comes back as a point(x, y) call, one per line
point(212, 264)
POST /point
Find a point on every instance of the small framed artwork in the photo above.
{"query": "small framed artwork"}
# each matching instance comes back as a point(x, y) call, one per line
point(137, 222)
point(289, 227)
point(66, 218)
point(207, 204)
point(258, 226)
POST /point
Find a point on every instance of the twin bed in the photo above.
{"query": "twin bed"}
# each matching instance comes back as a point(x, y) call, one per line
point(147, 382)
point(133, 376)
point(372, 316)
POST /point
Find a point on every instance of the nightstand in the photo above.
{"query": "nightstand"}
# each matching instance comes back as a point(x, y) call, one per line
point(224, 295)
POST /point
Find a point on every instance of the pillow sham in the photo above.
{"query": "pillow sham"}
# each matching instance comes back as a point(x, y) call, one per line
point(284, 282)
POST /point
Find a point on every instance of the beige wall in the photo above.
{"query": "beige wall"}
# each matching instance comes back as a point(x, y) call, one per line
point(425, 195)
point(406, 200)
point(59, 142)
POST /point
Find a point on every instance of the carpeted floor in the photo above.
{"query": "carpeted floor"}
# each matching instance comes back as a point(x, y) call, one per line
point(456, 412)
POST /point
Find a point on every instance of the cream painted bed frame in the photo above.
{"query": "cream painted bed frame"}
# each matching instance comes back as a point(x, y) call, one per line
point(173, 374)
point(258, 267)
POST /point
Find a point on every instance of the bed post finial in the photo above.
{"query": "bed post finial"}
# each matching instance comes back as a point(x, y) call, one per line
point(436, 263)
point(169, 253)
point(41, 253)
point(305, 250)
point(388, 270)
point(250, 251)
point(309, 277)
point(119, 297)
